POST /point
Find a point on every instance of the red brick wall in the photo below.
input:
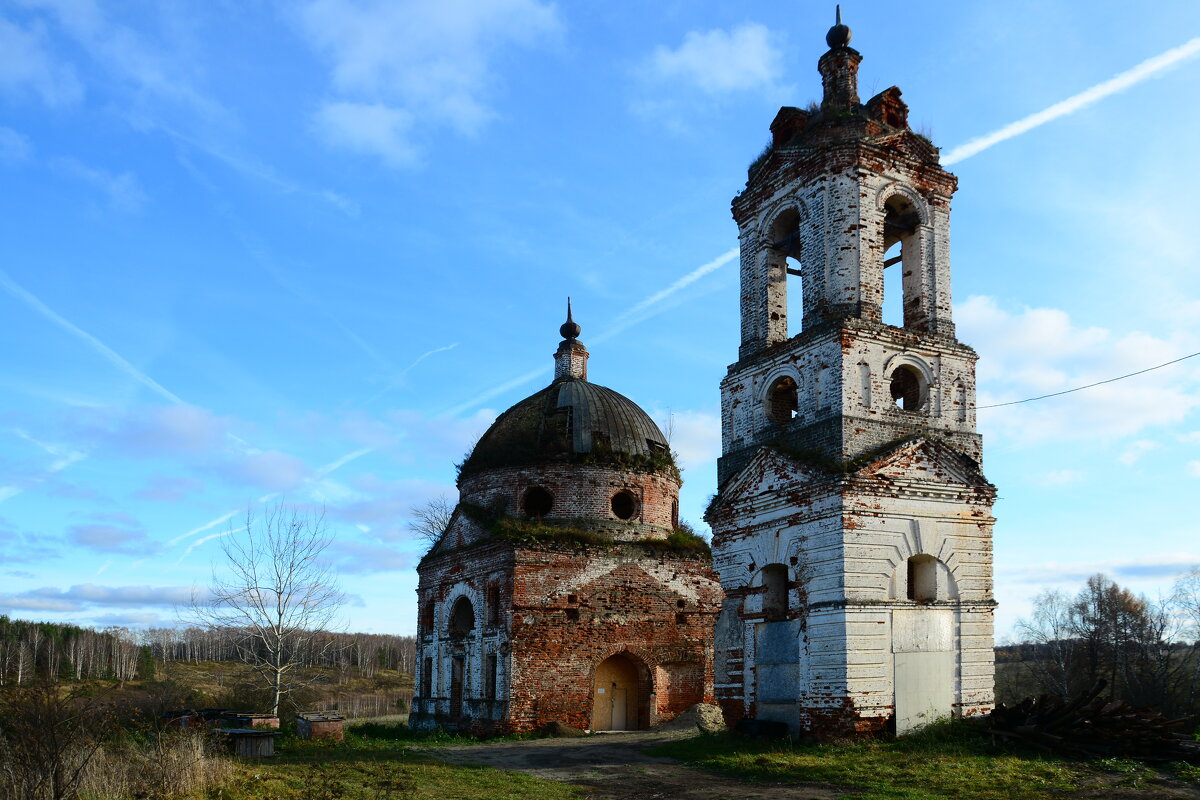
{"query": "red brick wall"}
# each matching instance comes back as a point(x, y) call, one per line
point(572, 610)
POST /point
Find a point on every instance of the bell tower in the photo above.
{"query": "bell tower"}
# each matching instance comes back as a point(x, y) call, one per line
point(852, 527)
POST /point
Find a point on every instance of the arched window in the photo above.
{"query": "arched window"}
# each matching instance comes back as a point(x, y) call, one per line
point(901, 272)
point(908, 388)
point(922, 578)
point(462, 618)
point(624, 504)
point(783, 400)
point(674, 513)
point(864, 384)
point(493, 604)
point(427, 616)
point(537, 502)
point(784, 272)
point(775, 591)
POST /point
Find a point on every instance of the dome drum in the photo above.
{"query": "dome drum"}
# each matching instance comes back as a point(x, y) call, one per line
point(627, 504)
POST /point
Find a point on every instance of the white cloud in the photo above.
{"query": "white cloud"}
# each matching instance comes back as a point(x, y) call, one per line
point(168, 431)
point(14, 148)
point(102, 538)
point(399, 63)
point(695, 437)
point(356, 558)
point(718, 61)
point(89, 595)
point(384, 506)
point(25, 65)
point(1039, 351)
point(271, 470)
point(368, 128)
point(1136, 450)
point(1164, 565)
point(120, 50)
point(123, 189)
point(1194, 468)
point(1061, 477)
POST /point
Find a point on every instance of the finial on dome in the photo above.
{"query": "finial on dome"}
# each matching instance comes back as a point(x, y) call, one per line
point(839, 35)
point(569, 329)
point(570, 360)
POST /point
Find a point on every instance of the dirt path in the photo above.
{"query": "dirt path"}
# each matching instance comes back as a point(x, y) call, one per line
point(617, 766)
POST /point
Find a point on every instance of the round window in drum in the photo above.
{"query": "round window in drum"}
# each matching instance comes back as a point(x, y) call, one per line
point(624, 504)
point(537, 502)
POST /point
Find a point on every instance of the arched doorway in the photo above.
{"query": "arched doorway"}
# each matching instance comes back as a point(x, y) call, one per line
point(617, 695)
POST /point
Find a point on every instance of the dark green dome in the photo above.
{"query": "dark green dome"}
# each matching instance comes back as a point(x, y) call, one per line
point(572, 420)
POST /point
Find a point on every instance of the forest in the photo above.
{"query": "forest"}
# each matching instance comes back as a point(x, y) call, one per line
point(60, 652)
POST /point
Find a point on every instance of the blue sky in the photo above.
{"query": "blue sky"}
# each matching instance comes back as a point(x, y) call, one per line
point(308, 250)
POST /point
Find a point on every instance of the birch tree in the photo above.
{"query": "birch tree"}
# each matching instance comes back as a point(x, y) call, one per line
point(276, 589)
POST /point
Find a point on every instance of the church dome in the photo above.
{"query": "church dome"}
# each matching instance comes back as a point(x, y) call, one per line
point(572, 420)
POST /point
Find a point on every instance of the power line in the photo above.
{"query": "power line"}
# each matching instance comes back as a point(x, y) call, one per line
point(1090, 385)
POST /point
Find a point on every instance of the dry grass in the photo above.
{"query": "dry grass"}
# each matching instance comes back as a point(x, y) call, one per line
point(165, 764)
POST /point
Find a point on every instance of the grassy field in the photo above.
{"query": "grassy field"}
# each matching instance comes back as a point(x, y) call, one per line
point(949, 760)
point(378, 762)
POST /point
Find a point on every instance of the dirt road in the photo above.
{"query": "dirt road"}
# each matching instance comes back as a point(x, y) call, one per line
point(616, 765)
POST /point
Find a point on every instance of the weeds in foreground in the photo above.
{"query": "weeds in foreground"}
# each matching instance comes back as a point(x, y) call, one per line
point(161, 764)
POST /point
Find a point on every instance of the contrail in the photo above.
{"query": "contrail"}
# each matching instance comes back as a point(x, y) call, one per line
point(100, 347)
point(624, 320)
point(391, 384)
point(62, 461)
point(324, 471)
point(199, 542)
point(202, 528)
point(495, 390)
point(1124, 80)
point(264, 173)
point(656, 298)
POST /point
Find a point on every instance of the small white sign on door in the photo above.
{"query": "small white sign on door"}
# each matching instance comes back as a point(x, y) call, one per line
point(600, 690)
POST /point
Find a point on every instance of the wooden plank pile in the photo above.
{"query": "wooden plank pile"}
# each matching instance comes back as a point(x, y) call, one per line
point(1091, 726)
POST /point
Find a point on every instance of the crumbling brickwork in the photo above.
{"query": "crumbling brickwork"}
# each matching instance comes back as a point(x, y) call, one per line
point(852, 527)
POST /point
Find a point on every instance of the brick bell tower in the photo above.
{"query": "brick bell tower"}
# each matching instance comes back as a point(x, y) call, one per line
point(852, 530)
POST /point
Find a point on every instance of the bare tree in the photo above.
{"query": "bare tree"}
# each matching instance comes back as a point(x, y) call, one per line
point(1186, 600)
point(1052, 628)
point(430, 519)
point(277, 592)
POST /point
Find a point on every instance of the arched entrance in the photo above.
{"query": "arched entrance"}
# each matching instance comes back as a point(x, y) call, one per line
point(618, 695)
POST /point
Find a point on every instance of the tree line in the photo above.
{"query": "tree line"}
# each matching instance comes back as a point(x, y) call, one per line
point(1147, 651)
point(30, 651)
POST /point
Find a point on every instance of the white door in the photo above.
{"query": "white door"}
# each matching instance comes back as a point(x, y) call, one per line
point(618, 710)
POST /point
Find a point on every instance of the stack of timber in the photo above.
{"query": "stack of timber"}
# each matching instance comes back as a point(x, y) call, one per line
point(1092, 726)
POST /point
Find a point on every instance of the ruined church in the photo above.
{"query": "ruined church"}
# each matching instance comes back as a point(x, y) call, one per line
point(563, 589)
point(852, 526)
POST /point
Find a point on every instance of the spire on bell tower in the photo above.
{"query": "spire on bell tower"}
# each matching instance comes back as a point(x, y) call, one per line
point(839, 68)
point(570, 360)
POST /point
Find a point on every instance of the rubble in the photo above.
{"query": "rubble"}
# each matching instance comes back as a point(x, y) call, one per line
point(1092, 726)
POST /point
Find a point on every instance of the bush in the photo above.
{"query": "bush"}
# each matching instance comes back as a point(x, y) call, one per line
point(48, 739)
